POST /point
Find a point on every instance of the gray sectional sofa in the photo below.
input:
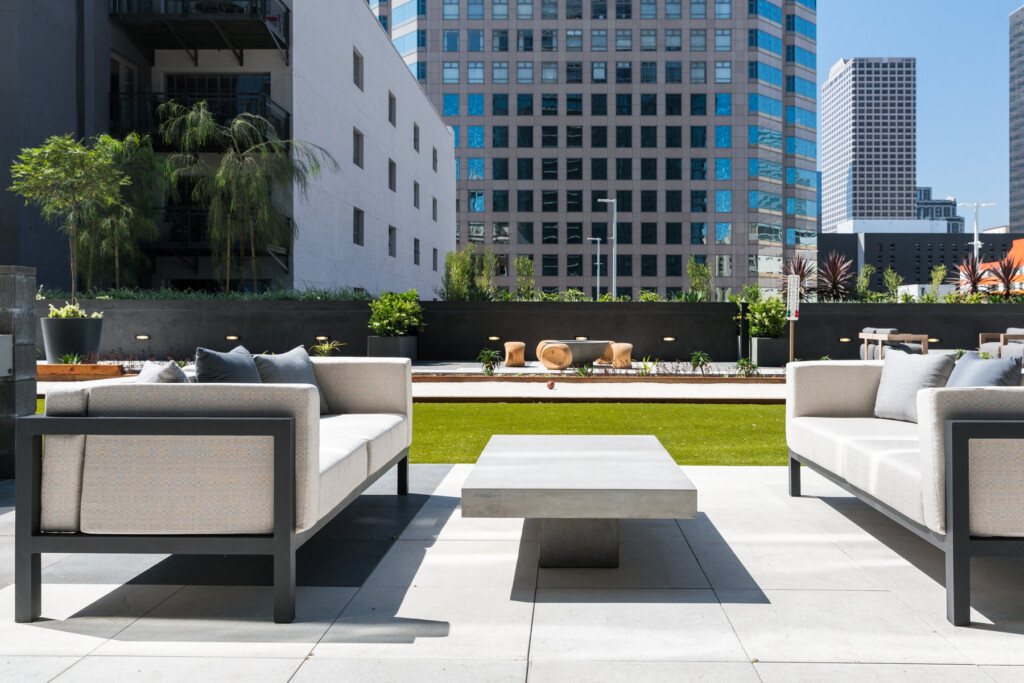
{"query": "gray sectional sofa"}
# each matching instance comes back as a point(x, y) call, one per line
point(205, 468)
point(956, 478)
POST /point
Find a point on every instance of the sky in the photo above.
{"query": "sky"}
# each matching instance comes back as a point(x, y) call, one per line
point(962, 51)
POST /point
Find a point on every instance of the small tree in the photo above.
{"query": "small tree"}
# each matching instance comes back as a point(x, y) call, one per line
point(969, 276)
point(701, 279)
point(864, 281)
point(486, 266)
point(936, 277)
point(64, 177)
point(800, 267)
point(457, 278)
point(834, 277)
point(525, 280)
point(892, 281)
point(1006, 274)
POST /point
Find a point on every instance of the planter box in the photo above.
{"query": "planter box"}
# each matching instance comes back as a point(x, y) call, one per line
point(77, 373)
point(769, 352)
point(64, 336)
point(391, 347)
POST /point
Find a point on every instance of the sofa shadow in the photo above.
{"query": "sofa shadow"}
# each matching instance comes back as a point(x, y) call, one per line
point(997, 583)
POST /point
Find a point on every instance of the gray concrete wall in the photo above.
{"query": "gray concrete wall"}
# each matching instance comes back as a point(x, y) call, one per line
point(17, 392)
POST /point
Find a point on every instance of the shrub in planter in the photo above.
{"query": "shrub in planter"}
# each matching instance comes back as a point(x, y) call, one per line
point(69, 331)
point(394, 318)
point(767, 319)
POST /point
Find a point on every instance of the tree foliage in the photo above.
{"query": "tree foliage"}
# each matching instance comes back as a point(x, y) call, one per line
point(701, 279)
point(525, 279)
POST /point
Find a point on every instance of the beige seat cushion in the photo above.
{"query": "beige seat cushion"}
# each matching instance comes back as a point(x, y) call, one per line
point(888, 470)
point(386, 435)
point(343, 463)
point(824, 440)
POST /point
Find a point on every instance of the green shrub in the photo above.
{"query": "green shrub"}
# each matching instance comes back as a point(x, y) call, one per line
point(71, 311)
point(394, 315)
point(767, 317)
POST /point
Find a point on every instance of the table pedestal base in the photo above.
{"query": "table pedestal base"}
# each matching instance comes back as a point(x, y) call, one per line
point(566, 543)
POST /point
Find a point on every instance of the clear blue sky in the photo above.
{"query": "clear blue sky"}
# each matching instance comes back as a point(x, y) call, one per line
point(962, 51)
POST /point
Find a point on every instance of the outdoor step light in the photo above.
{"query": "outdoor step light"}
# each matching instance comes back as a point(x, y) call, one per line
point(668, 339)
point(321, 338)
point(844, 340)
point(6, 355)
point(933, 340)
point(142, 337)
point(494, 337)
point(582, 338)
point(232, 337)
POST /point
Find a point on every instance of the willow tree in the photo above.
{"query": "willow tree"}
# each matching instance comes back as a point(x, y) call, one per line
point(119, 229)
point(64, 177)
point(238, 169)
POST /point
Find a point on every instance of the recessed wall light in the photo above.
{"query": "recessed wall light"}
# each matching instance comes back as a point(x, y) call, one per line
point(232, 337)
point(142, 337)
point(844, 339)
point(582, 338)
point(321, 337)
point(933, 340)
point(493, 337)
point(668, 339)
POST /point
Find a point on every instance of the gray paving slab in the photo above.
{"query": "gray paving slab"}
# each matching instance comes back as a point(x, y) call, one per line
point(27, 669)
point(318, 669)
point(871, 673)
point(648, 672)
point(100, 669)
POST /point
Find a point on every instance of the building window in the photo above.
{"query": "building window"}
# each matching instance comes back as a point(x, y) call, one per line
point(357, 148)
point(648, 265)
point(549, 265)
point(499, 74)
point(392, 176)
point(415, 137)
point(499, 40)
point(723, 72)
point(524, 40)
point(624, 40)
point(451, 9)
point(392, 241)
point(475, 40)
point(524, 233)
point(698, 40)
point(450, 73)
point(599, 40)
point(648, 72)
point(433, 208)
point(723, 40)
point(549, 72)
point(723, 265)
point(723, 233)
point(624, 72)
point(475, 72)
point(574, 40)
point(698, 9)
point(435, 259)
point(698, 233)
point(415, 252)
point(673, 40)
point(698, 72)
point(524, 9)
point(524, 72)
point(415, 194)
point(357, 69)
point(549, 40)
point(435, 159)
point(499, 10)
point(723, 9)
point(357, 226)
point(450, 41)
point(598, 72)
point(392, 109)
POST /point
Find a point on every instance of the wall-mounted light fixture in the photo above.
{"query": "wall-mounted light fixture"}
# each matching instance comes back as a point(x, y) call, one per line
point(232, 337)
point(321, 337)
point(581, 338)
point(494, 337)
point(142, 337)
point(933, 340)
point(844, 340)
point(668, 339)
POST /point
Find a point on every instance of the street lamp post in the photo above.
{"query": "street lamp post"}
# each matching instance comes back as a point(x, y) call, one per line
point(976, 243)
point(597, 288)
point(615, 264)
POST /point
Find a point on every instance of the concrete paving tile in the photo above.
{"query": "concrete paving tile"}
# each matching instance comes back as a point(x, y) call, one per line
point(405, 670)
point(423, 479)
point(230, 621)
point(32, 669)
point(192, 669)
point(638, 624)
point(1004, 674)
point(479, 564)
point(648, 672)
point(835, 626)
point(431, 623)
point(642, 564)
point(451, 485)
point(441, 519)
point(649, 530)
point(76, 619)
point(870, 673)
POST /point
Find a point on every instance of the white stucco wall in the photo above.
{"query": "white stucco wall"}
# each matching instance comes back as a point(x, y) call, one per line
point(326, 106)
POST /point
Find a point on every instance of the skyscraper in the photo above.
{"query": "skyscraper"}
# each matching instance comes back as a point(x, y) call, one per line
point(1017, 121)
point(869, 141)
point(698, 117)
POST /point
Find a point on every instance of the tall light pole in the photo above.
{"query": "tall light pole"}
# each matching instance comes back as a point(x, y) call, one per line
point(615, 264)
point(976, 243)
point(597, 288)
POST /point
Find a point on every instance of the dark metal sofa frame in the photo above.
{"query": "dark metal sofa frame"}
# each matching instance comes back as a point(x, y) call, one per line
point(957, 543)
point(281, 544)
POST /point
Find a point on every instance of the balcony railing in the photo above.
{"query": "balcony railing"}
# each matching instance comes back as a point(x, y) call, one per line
point(138, 112)
point(205, 24)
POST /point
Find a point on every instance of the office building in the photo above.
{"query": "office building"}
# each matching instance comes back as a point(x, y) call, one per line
point(697, 117)
point(325, 73)
point(869, 142)
point(929, 208)
point(1017, 121)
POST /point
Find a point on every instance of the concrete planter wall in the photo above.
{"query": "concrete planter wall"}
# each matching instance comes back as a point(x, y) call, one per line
point(458, 331)
point(391, 347)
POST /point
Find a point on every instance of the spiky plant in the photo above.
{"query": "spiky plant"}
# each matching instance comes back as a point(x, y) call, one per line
point(835, 274)
point(969, 275)
point(797, 265)
point(1006, 275)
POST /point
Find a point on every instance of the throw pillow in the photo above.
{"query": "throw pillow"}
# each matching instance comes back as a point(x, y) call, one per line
point(293, 367)
point(236, 367)
point(974, 371)
point(903, 375)
point(162, 373)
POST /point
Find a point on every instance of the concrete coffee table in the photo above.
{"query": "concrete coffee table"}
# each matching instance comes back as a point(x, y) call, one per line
point(579, 487)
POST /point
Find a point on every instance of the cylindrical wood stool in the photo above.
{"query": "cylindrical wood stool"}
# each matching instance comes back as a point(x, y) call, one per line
point(540, 346)
point(606, 357)
point(515, 354)
point(556, 356)
point(622, 355)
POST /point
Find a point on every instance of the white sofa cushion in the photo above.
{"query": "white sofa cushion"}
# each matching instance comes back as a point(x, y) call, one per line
point(889, 470)
point(343, 463)
point(824, 440)
point(386, 434)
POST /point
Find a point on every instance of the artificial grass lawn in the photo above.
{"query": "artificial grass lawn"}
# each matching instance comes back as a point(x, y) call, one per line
point(693, 433)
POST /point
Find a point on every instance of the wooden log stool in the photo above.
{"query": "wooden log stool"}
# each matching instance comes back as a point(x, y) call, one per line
point(515, 354)
point(606, 357)
point(622, 356)
point(540, 346)
point(556, 356)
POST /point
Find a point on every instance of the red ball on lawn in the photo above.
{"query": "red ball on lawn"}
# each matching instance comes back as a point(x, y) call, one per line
point(551, 384)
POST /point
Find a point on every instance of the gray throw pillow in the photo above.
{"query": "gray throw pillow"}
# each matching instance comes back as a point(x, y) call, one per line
point(162, 373)
point(903, 375)
point(293, 367)
point(235, 367)
point(974, 371)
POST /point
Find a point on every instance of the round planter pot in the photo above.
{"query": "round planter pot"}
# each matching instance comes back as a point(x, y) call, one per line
point(391, 347)
point(80, 336)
